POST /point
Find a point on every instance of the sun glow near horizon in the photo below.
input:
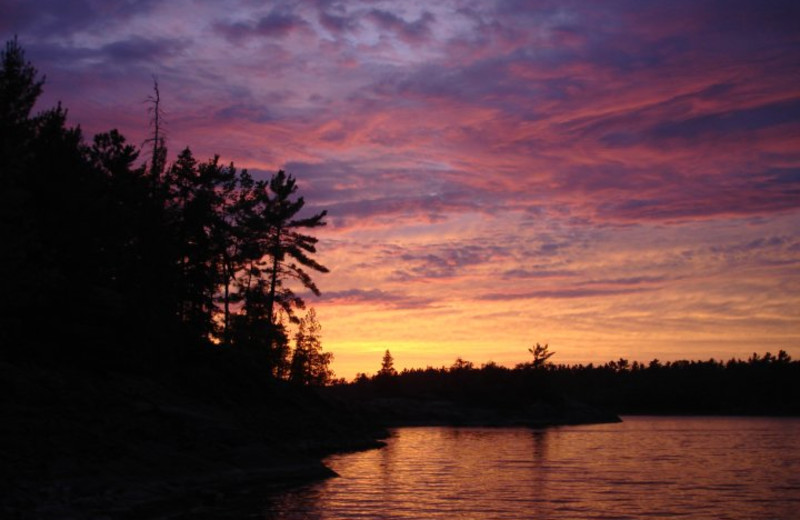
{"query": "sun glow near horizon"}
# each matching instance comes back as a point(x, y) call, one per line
point(688, 290)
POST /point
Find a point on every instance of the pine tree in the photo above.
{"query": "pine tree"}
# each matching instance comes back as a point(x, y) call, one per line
point(199, 197)
point(288, 247)
point(541, 355)
point(22, 260)
point(275, 251)
point(310, 365)
point(20, 87)
point(60, 264)
point(387, 365)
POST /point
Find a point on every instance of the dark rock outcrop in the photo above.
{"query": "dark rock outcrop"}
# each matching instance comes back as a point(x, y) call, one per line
point(76, 444)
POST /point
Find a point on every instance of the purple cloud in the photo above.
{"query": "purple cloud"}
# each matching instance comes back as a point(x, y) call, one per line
point(536, 274)
point(415, 32)
point(138, 49)
point(277, 24)
point(443, 261)
point(375, 297)
point(567, 293)
point(245, 111)
point(337, 24)
point(49, 18)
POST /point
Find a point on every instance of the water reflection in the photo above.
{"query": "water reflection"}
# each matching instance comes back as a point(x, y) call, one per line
point(645, 467)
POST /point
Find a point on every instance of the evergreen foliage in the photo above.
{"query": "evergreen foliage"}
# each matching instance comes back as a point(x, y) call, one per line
point(310, 365)
point(768, 384)
point(387, 365)
point(125, 263)
point(541, 355)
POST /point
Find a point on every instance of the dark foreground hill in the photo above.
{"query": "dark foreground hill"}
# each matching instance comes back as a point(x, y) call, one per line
point(76, 443)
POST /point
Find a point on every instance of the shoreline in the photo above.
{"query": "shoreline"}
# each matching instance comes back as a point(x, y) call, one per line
point(81, 444)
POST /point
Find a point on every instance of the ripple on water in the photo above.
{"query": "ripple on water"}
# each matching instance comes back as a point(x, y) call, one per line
point(645, 467)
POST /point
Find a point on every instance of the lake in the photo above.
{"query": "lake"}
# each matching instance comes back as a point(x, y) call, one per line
point(645, 467)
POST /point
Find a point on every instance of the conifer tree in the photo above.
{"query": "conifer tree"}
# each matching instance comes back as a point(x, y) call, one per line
point(387, 365)
point(288, 247)
point(231, 240)
point(199, 195)
point(273, 249)
point(104, 252)
point(20, 87)
point(20, 265)
point(541, 355)
point(310, 365)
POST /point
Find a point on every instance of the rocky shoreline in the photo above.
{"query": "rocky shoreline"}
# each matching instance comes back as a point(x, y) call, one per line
point(110, 445)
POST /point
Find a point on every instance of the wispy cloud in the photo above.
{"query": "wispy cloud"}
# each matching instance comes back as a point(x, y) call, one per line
point(375, 298)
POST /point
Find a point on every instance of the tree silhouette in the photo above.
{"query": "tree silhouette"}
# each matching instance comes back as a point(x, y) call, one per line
point(52, 263)
point(150, 258)
point(20, 87)
point(541, 355)
point(310, 366)
point(233, 240)
point(198, 197)
point(157, 141)
point(256, 263)
point(21, 253)
point(288, 247)
point(387, 365)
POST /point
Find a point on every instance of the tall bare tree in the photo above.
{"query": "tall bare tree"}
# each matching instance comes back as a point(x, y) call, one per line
point(158, 139)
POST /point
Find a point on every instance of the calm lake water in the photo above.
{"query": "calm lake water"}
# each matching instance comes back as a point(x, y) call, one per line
point(645, 467)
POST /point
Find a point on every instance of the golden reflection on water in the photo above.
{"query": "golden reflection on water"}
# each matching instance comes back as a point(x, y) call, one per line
point(643, 468)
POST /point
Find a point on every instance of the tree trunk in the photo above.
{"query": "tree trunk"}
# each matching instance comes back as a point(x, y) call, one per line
point(276, 250)
point(226, 324)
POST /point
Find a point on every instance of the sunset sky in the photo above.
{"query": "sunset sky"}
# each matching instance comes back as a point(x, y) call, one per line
point(616, 178)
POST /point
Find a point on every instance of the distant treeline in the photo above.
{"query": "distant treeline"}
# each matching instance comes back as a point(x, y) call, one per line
point(109, 259)
point(768, 384)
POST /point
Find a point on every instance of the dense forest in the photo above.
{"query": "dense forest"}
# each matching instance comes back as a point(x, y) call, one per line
point(145, 350)
point(109, 260)
point(768, 384)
